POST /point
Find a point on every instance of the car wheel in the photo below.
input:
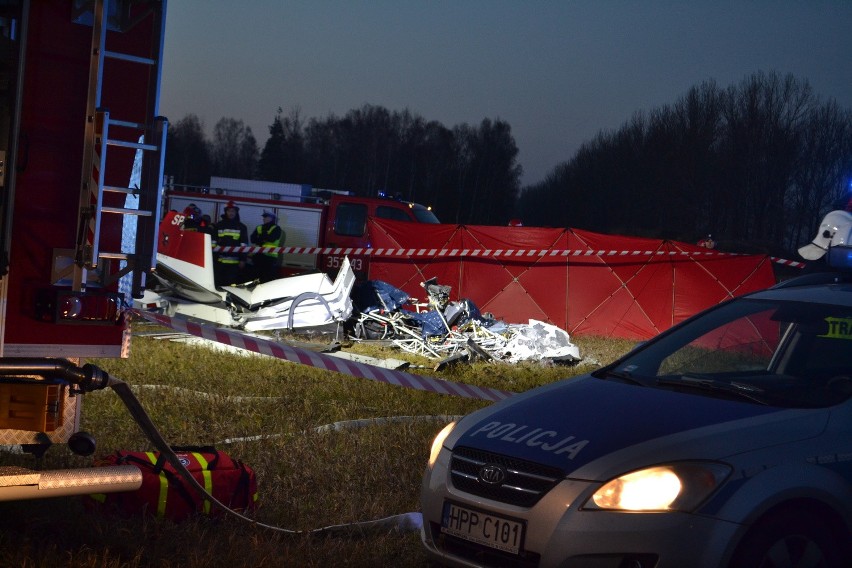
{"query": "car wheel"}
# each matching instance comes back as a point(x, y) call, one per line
point(792, 539)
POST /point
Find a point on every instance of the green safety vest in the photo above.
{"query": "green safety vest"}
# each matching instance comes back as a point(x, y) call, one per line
point(266, 239)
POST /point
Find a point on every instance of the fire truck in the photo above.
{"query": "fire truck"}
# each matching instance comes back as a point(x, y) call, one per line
point(311, 218)
point(81, 169)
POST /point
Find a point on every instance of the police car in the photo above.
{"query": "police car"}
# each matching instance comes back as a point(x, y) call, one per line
point(724, 441)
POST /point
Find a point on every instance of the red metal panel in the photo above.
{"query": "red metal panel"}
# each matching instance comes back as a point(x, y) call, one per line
point(49, 166)
point(175, 242)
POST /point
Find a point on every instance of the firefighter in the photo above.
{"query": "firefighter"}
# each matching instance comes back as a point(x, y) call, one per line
point(192, 220)
point(206, 225)
point(228, 232)
point(269, 234)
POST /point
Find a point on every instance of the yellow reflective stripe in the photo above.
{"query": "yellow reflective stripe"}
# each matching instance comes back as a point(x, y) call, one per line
point(229, 260)
point(233, 233)
point(268, 243)
point(208, 479)
point(99, 497)
point(271, 244)
point(164, 487)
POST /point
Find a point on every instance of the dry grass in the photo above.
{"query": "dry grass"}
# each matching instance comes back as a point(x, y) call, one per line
point(307, 480)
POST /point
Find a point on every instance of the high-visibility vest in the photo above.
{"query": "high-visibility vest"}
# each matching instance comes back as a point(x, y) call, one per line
point(266, 240)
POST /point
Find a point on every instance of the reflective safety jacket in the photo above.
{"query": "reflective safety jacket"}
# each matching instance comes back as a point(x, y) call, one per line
point(230, 233)
point(268, 235)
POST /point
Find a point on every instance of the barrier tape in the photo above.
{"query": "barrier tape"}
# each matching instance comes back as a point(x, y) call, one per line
point(485, 253)
point(328, 363)
point(786, 262)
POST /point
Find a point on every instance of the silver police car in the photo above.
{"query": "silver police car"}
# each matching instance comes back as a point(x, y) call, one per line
point(724, 441)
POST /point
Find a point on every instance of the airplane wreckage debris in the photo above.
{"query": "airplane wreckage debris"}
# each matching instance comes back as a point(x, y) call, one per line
point(451, 331)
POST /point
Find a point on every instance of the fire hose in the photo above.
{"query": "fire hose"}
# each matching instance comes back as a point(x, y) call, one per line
point(88, 378)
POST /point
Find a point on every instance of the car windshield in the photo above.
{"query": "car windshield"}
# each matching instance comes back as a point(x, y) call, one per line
point(779, 353)
point(424, 214)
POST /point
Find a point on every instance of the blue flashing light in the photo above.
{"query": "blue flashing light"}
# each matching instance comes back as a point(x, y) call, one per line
point(840, 257)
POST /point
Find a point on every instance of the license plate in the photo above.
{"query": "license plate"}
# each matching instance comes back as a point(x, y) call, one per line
point(483, 528)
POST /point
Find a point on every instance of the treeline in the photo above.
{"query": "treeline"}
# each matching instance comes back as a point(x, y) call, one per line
point(756, 165)
point(468, 174)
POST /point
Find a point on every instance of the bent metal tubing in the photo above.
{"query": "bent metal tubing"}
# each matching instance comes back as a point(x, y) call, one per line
point(88, 377)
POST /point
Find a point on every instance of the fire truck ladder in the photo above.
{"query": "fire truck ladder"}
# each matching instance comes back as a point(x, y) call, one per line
point(106, 15)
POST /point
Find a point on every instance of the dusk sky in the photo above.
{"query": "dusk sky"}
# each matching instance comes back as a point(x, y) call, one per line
point(557, 72)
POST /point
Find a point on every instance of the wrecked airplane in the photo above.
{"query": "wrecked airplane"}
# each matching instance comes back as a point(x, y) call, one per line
point(183, 285)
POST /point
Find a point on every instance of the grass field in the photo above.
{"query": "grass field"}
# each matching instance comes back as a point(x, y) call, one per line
point(308, 477)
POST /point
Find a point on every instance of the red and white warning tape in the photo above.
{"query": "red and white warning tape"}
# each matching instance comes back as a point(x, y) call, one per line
point(785, 262)
point(485, 253)
point(313, 359)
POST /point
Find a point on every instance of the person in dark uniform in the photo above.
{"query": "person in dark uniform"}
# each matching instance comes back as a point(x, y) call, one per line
point(206, 225)
point(192, 219)
point(269, 234)
point(229, 231)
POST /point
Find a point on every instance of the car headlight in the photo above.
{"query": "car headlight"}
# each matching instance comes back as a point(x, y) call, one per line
point(669, 487)
point(438, 442)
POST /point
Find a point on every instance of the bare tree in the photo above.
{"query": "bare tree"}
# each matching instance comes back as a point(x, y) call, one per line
point(756, 164)
point(824, 166)
point(188, 152)
point(282, 157)
point(234, 149)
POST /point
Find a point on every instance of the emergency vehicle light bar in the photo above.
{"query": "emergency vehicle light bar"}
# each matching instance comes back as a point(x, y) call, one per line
point(840, 257)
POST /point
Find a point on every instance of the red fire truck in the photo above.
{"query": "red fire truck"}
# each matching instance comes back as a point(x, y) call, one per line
point(81, 146)
point(311, 218)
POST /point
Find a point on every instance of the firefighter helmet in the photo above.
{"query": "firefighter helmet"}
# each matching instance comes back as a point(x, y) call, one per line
point(835, 229)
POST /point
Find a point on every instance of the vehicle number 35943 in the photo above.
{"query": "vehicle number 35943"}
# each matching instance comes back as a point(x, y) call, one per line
point(335, 262)
point(483, 528)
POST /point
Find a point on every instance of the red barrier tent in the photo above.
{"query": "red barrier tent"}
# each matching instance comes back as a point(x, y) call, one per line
point(607, 285)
